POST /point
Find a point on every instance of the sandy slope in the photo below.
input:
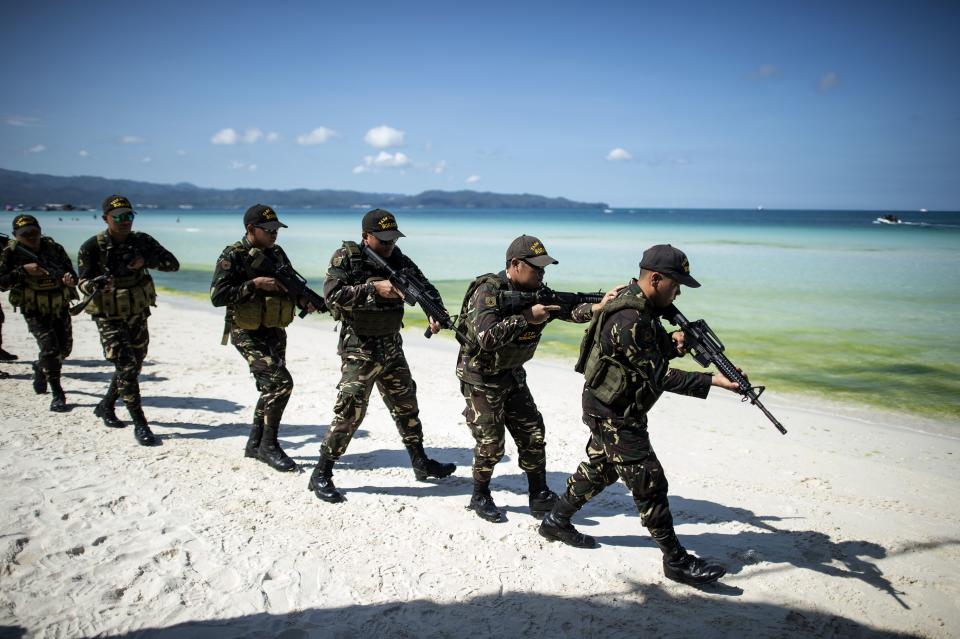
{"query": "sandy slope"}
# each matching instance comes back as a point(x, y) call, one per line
point(849, 525)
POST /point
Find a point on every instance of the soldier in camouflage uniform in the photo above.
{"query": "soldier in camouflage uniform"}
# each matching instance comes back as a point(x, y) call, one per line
point(44, 299)
point(625, 360)
point(4, 355)
point(113, 269)
point(258, 310)
point(493, 380)
point(371, 350)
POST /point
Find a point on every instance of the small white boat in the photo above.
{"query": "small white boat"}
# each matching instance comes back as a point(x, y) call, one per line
point(888, 219)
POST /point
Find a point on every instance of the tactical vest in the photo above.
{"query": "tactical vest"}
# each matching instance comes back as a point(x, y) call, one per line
point(265, 309)
point(385, 318)
point(131, 295)
point(41, 295)
point(509, 356)
point(614, 382)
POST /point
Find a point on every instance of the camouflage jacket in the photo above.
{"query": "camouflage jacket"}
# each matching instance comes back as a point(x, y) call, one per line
point(637, 340)
point(233, 276)
point(501, 344)
point(12, 274)
point(349, 292)
point(92, 260)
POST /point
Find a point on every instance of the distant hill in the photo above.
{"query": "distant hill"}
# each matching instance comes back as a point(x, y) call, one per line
point(34, 190)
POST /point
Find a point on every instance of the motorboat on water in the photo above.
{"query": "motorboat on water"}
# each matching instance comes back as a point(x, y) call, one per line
point(890, 218)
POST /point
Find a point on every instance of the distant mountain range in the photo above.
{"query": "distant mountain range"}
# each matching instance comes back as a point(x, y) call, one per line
point(36, 190)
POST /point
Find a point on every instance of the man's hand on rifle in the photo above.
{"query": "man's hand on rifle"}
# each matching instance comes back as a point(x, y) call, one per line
point(609, 295)
point(538, 313)
point(719, 379)
point(679, 342)
point(136, 264)
point(386, 289)
point(34, 269)
point(107, 285)
point(69, 280)
point(268, 284)
point(303, 303)
point(434, 325)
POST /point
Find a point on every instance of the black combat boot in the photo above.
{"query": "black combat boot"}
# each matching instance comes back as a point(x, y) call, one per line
point(7, 357)
point(104, 410)
point(321, 482)
point(39, 380)
point(679, 565)
point(58, 403)
point(141, 430)
point(481, 502)
point(256, 433)
point(542, 498)
point(556, 525)
point(270, 452)
point(424, 467)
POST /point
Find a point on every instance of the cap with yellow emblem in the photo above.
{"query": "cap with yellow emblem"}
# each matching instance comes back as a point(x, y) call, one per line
point(24, 223)
point(669, 261)
point(531, 250)
point(116, 205)
point(382, 224)
point(262, 216)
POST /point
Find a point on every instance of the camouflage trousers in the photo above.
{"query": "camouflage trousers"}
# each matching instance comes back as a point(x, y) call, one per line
point(125, 343)
point(360, 370)
point(620, 448)
point(54, 335)
point(265, 350)
point(493, 410)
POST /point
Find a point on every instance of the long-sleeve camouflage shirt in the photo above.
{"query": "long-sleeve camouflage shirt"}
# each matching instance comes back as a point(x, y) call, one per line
point(91, 260)
point(233, 276)
point(502, 343)
point(12, 274)
point(638, 340)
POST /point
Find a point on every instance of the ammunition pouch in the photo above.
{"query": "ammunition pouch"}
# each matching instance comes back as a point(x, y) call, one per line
point(607, 379)
point(42, 300)
point(125, 301)
point(268, 311)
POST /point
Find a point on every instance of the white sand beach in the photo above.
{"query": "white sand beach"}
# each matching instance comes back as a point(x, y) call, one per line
point(847, 526)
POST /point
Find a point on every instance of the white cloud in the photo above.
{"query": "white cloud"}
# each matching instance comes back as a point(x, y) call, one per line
point(252, 168)
point(83, 153)
point(252, 135)
point(473, 179)
point(619, 155)
point(384, 137)
point(37, 148)
point(19, 120)
point(182, 153)
point(383, 160)
point(147, 160)
point(225, 136)
point(234, 164)
point(132, 139)
point(440, 167)
point(319, 135)
point(273, 136)
point(828, 81)
point(241, 166)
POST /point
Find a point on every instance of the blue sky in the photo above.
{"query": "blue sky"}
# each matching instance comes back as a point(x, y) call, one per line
point(695, 104)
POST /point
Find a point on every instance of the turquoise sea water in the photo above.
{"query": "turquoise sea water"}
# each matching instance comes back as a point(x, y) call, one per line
point(818, 302)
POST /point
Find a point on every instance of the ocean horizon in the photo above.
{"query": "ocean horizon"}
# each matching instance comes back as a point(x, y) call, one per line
point(820, 303)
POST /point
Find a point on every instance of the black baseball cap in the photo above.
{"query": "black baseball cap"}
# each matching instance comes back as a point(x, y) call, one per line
point(117, 204)
point(23, 222)
point(669, 261)
point(262, 216)
point(382, 224)
point(529, 249)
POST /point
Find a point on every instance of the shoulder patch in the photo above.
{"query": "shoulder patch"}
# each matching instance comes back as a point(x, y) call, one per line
point(490, 301)
point(338, 260)
point(225, 264)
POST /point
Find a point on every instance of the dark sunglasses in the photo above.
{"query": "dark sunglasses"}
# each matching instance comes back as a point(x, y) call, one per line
point(538, 269)
point(269, 231)
point(123, 217)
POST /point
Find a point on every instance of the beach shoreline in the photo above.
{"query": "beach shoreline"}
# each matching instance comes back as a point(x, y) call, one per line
point(845, 526)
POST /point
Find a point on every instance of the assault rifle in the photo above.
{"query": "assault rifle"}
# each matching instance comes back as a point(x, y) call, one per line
point(707, 349)
point(413, 291)
point(514, 302)
point(54, 270)
point(293, 282)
